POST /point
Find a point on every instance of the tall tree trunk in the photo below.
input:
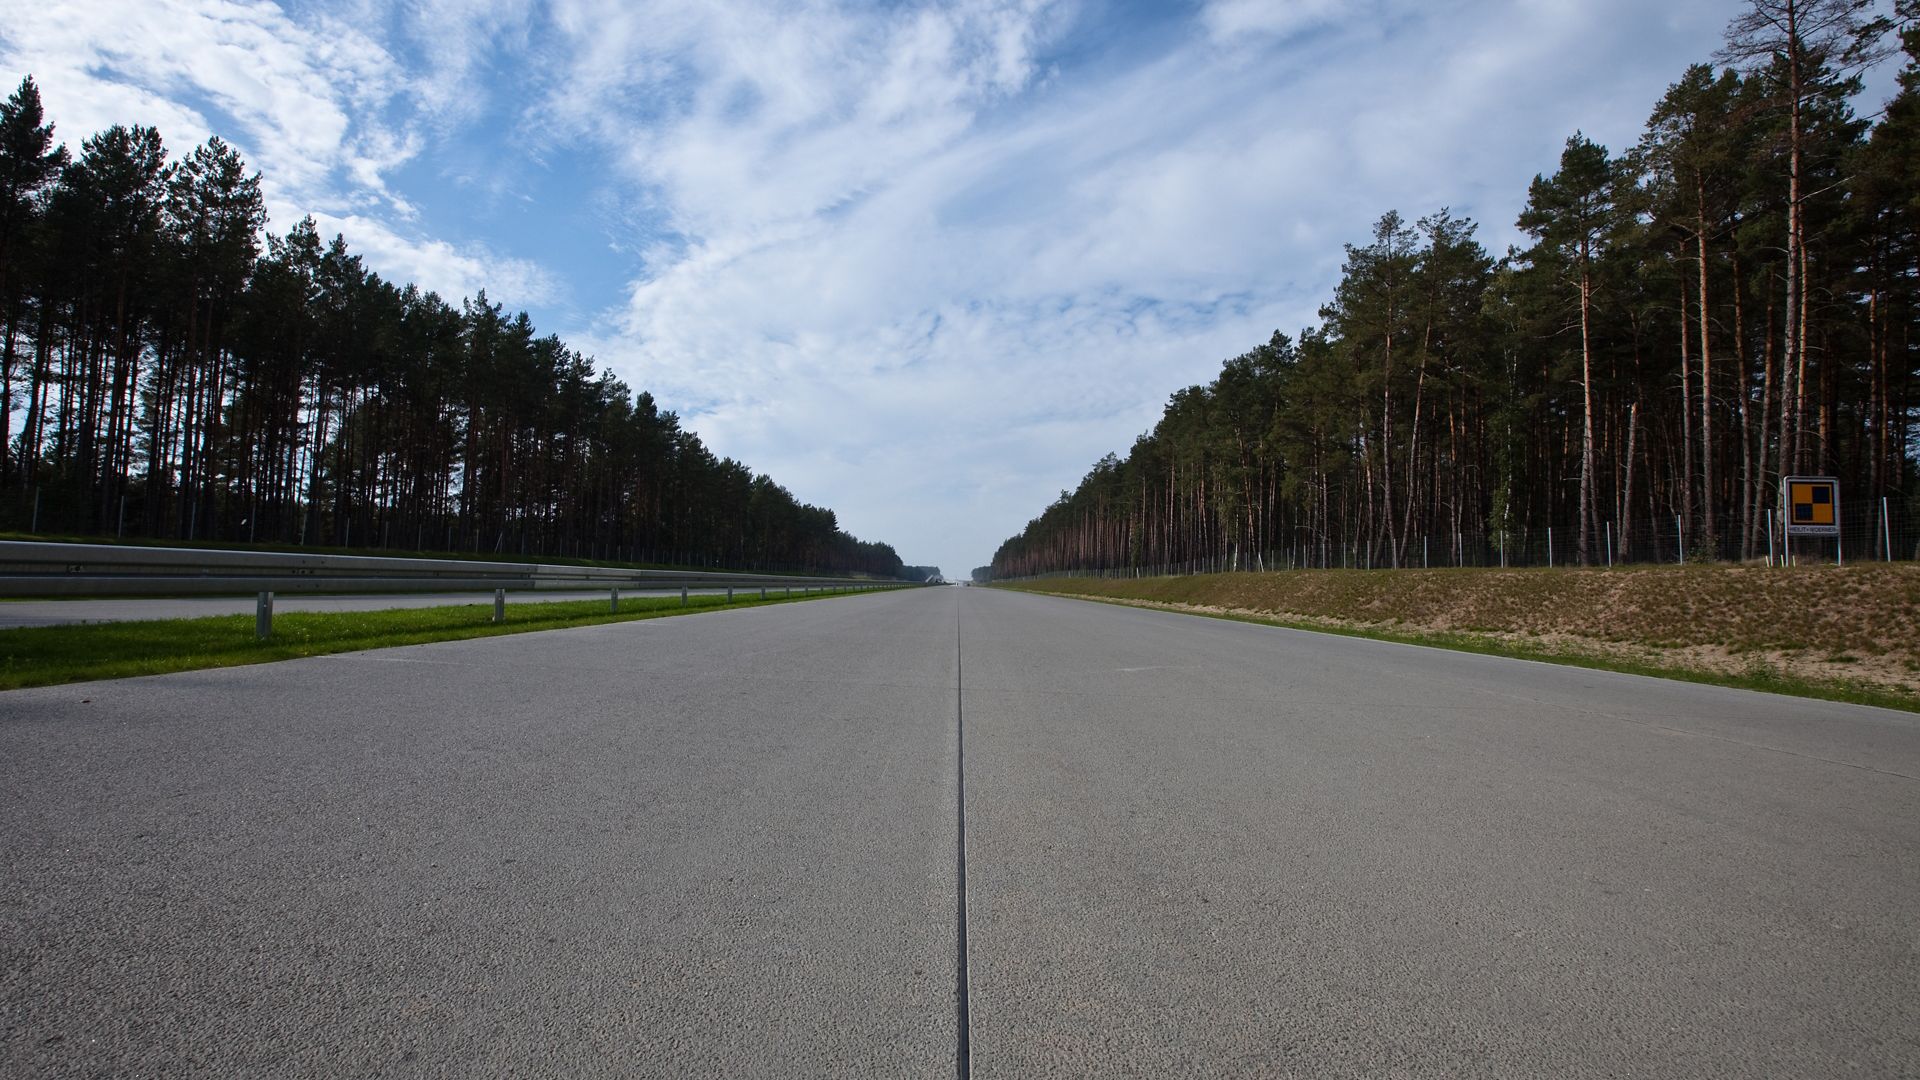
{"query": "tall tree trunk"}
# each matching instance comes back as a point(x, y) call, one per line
point(1413, 440)
point(1709, 532)
point(1586, 419)
point(6, 396)
point(1766, 415)
point(1749, 491)
point(1686, 411)
point(1626, 493)
point(1793, 356)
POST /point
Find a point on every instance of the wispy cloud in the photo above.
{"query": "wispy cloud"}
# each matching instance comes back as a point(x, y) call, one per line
point(937, 321)
point(325, 110)
point(458, 42)
point(1228, 20)
point(453, 272)
point(740, 112)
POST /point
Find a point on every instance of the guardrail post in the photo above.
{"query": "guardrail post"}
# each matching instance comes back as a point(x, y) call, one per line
point(263, 616)
point(499, 605)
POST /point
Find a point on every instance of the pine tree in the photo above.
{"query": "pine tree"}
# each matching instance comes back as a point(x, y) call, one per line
point(29, 161)
point(1574, 216)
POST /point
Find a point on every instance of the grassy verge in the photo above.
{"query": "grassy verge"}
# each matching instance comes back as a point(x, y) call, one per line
point(1839, 635)
point(50, 655)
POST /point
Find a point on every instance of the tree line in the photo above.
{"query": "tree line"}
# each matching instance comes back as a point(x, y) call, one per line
point(167, 375)
point(1728, 301)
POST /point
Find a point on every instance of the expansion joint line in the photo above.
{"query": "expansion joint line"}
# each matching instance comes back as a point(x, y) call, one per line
point(963, 1052)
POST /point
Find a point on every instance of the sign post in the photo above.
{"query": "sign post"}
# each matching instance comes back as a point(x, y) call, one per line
point(1810, 506)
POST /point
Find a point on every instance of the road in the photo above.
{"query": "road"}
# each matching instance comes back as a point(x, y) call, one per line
point(730, 844)
point(18, 613)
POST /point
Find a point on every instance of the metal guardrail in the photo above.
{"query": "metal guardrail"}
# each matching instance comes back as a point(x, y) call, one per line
point(29, 568)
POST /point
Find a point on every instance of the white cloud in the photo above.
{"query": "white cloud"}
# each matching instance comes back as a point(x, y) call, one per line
point(309, 102)
point(1227, 20)
point(760, 112)
point(438, 266)
point(933, 323)
point(292, 90)
point(457, 39)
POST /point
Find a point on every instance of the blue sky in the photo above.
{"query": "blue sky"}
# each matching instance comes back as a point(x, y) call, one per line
point(923, 263)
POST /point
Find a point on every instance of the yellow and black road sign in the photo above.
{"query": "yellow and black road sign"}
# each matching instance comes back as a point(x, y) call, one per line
point(1813, 505)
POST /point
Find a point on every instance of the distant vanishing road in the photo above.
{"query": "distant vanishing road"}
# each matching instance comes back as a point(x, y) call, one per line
point(733, 844)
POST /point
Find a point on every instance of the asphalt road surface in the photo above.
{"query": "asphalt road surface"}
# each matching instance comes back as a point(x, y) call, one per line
point(730, 844)
point(18, 613)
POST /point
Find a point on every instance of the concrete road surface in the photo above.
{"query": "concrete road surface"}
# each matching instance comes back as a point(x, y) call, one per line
point(729, 845)
point(17, 613)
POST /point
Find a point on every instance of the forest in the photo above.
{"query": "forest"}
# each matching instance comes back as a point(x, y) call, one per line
point(1728, 301)
point(168, 376)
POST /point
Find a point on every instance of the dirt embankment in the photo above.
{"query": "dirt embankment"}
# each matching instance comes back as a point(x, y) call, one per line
point(1855, 625)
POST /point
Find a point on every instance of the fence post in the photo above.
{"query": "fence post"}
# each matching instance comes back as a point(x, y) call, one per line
point(1770, 555)
point(1549, 547)
point(263, 616)
point(1679, 541)
point(499, 605)
point(1423, 553)
point(35, 527)
point(1609, 545)
point(1886, 530)
point(120, 531)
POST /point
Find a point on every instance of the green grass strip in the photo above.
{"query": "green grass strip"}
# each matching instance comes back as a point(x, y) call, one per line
point(51, 655)
point(1762, 678)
